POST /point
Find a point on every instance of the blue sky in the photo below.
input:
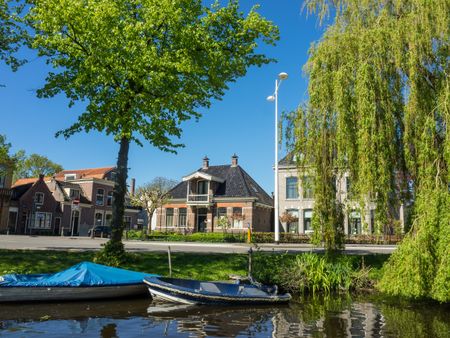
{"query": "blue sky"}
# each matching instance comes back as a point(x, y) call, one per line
point(242, 122)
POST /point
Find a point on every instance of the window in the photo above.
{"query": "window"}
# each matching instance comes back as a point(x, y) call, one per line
point(39, 198)
point(108, 220)
point(238, 219)
point(202, 187)
point(221, 212)
point(307, 219)
point(127, 222)
point(308, 187)
point(41, 220)
point(74, 194)
point(291, 187)
point(2, 181)
point(100, 197)
point(182, 217)
point(354, 223)
point(70, 177)
point(372, 221)
point(169, 217)
point(98, 219)
point(293, 225)
point(348, 186)
point(109, 198)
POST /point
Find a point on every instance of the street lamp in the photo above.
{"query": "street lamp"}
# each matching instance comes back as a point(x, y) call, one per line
point(282, 76)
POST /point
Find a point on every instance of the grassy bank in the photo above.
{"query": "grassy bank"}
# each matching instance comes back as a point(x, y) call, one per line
point(297, 273)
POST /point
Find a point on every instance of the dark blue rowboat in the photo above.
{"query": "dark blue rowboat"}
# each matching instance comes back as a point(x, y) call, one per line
point(189, 291)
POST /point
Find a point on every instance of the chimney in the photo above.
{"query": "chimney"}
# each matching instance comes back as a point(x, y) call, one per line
point(41, 177)
point(132, 186)
point(234, 160)
point(205, 163)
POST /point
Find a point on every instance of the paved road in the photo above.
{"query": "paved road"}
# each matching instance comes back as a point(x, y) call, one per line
point(83, 243)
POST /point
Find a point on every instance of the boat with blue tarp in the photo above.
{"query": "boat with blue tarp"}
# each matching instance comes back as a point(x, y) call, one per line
point(188, 291)
point(85, 280)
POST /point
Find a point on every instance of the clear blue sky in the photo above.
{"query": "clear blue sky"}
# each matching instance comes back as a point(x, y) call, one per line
point(242, 122)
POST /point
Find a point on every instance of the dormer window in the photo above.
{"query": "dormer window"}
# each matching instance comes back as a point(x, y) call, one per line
point(70, 177)
point(39, 198)
point(75, 194)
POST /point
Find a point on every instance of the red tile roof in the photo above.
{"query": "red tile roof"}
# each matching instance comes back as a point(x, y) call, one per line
point(86, 173)
point(81, 173)
point(23, 181)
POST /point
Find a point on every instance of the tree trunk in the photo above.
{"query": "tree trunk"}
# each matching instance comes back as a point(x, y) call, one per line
point(120, 189)
point(149, 221)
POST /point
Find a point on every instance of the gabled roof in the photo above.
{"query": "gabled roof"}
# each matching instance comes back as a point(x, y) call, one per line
point(31, 180)
point(236, 183)
point(99, 173)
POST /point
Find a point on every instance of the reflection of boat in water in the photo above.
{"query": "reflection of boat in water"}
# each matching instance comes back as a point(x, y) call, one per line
point(85, 280)
point(224, 321)
point(188, 291)
point(118, 308)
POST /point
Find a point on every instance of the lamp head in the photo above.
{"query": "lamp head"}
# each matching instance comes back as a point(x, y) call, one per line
point(283, 76)
point(270, 98)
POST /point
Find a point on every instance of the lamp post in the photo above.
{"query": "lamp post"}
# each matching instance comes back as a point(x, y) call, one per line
point(271, 98)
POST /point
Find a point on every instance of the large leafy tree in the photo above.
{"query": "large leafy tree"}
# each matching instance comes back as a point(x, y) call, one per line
point(153, 195)
point(35, 165)
point(11, 33)
point(379, 108)
point(143, 67)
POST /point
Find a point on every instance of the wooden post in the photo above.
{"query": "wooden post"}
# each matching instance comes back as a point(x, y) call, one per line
point(170, 261)
point(250, 252)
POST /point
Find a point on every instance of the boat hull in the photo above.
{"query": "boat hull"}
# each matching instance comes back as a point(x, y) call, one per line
point(161, 292)
point(49, 294)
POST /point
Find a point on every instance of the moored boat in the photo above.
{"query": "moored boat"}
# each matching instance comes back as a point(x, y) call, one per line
point(85, 280)
point(189, 291)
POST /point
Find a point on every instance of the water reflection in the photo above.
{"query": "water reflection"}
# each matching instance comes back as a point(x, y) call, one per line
point(318, 317)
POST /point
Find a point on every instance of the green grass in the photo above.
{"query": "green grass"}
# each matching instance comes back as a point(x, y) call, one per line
point(184, 265)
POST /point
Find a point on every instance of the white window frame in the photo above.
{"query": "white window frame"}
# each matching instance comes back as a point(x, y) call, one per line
point(47, 220)
point(127, 217)
point(95, 218)
point(109, 197)
point(296, 188)
point(70, 177)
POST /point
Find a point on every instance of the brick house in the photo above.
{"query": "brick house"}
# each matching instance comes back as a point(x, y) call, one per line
point(6, 173)
point(69, 203)
point(212, 193)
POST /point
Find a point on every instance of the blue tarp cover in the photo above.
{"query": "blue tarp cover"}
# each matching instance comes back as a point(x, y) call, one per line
point(82, 274)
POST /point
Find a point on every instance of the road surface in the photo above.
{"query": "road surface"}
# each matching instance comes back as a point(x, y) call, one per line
point(12, 242)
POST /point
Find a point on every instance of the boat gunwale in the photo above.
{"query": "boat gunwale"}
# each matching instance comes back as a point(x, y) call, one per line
point(214, 296)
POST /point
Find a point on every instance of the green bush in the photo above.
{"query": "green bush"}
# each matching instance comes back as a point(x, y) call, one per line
point(210, 237)
point(311, 273)
point(134, 234)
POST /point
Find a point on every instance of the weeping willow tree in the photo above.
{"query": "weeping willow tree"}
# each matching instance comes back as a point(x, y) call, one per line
point(379, 110)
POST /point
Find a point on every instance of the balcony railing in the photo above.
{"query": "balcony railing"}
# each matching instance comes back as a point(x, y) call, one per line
point(198, 199)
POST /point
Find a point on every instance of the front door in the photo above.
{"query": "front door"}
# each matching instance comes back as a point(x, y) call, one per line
point(202, 214)
point(75, 222)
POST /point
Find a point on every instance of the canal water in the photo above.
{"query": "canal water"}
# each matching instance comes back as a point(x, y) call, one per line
point(363, 316)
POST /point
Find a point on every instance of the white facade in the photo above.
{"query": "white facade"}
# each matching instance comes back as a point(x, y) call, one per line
point(296, 198)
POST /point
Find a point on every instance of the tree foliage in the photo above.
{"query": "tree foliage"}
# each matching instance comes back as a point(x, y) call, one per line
point(379, 107)
point(143, 66)
point(11, 33)
point(35, 165)
point(152, 196)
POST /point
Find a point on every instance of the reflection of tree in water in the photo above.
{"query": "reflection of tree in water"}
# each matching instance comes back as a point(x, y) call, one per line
point(109, 331)
point(429, 320)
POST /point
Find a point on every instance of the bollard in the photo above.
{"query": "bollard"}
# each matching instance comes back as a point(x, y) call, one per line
point(170, 261)
point(250, 252)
